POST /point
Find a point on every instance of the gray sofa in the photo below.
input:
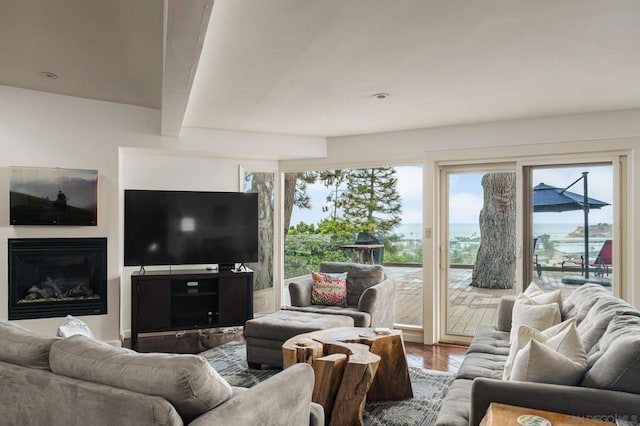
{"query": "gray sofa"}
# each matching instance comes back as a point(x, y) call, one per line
point(370, 294)
point(610, 389)
point(79, 381)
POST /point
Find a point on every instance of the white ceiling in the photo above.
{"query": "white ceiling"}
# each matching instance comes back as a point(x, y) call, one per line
point(100, 49)
point(311, 67)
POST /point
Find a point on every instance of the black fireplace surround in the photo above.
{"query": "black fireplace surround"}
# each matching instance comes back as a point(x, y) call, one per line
point(55, 277)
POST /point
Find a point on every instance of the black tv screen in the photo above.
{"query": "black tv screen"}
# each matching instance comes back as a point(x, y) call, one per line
point(188, 228)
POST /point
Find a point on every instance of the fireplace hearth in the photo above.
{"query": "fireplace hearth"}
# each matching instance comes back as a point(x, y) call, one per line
point(55, 277)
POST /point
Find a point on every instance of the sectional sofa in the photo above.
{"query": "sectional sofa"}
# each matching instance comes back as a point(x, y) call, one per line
point(79, 381)
point(609, 329)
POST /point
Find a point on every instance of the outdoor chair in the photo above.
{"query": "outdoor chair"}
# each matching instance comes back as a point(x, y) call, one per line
point(536, 264)
point(602, 262)
point(370, 294)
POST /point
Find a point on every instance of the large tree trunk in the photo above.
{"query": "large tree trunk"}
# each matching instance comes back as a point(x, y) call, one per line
point(495, 265)
point(290, 180)
point(263, 184)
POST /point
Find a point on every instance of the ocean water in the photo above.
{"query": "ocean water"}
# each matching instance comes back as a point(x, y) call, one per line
point(414, 230)
point(557, 231)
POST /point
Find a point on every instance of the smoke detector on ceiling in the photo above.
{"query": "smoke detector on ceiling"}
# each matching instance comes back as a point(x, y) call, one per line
point(49, 75)
point(380, 95)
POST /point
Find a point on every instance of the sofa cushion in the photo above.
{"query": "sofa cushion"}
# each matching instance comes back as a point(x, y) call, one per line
point(488, 340)
point(581, 300)
point(188, 382)
point(525, 334)
point(542, 297)
point(535, 312)
point(283, 325)
point(595, 323)
point(360, 318)
point(359, 277)
point(532, 289)
point(617, 357)
point(537, 362)
point(24, 347)
point(329, 289)
point(481, 365)
point(455, 407)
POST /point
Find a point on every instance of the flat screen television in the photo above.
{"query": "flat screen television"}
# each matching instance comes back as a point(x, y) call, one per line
point(189, 227)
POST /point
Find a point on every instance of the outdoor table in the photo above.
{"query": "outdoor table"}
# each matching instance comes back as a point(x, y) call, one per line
point(362, 253)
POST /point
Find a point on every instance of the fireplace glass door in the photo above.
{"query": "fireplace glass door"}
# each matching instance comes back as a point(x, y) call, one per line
point(55, 277)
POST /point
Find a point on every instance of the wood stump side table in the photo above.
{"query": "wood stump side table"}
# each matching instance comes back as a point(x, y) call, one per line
point(350, 369)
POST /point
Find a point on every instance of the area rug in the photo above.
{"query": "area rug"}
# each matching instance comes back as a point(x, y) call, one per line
point(429, 387)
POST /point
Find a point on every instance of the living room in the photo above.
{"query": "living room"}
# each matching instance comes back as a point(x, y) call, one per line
point(44, 126)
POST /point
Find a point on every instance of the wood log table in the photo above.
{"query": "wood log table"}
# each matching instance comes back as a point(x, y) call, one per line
point(352, 365)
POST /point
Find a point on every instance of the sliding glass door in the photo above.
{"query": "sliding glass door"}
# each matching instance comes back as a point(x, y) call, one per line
point(479, 259)
point(571, 214)
point(566, 237)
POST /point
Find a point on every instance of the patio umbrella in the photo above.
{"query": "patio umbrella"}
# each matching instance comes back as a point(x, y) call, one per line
point(548, 198)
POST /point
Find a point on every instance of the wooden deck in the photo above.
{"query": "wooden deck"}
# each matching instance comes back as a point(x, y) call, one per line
point(468, 306)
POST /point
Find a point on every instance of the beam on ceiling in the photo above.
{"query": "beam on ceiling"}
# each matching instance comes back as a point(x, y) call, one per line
point(185, 28)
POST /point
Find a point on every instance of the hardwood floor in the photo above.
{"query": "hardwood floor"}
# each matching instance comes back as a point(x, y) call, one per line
point(432, 357)
point(435, 357)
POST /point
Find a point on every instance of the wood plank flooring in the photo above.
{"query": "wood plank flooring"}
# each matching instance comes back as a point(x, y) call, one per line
point(432, 357)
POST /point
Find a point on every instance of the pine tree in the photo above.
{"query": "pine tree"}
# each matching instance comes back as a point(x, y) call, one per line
point(371, 199)
point(295, 194)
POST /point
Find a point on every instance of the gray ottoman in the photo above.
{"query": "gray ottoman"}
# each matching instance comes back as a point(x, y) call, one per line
point(265, 335)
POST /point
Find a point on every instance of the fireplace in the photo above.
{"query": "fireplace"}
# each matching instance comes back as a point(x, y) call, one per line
point(53, 277)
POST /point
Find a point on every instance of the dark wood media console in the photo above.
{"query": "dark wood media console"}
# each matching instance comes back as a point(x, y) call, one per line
point(187, 300)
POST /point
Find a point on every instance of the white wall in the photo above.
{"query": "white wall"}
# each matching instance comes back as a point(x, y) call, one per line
point(410, 145)
point(40, 130)
point(46, 130)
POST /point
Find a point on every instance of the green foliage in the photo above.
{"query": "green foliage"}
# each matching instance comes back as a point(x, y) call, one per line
point(371, 199)
point(398, 250)
point(301, 198)
point(463, 250)
point(307, 246)
point(359, 200)
point(304, 252)
point(332, 226)
point(334, 179)
point(547, 245)
point(302, 228)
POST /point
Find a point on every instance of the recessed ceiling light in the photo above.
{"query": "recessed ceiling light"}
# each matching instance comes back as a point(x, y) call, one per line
point(47, 74)
point(380, 95)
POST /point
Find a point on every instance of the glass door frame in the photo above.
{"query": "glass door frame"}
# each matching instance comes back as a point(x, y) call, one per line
point(411, 332)
point(620, 153)
point(619, 165)
point(443, 265)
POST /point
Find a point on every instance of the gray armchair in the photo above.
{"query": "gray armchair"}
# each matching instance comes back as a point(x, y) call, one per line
point(370, 294)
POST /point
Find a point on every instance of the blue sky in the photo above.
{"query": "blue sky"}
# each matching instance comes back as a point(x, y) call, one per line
point(466, 195)
point(409, 187)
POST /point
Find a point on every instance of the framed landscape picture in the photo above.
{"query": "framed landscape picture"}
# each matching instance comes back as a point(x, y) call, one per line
point(44, 196)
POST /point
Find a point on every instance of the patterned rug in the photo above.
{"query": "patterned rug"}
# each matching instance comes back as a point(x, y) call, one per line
point(429, 387)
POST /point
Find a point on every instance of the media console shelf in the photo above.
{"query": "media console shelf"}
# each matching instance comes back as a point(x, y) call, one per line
point(187, 300)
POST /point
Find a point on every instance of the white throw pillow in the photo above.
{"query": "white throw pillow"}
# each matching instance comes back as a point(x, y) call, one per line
point(73, 326)
point(537, 362)
point(525, 334)
point(569, 343)
point(532, 290)
point(548, 297)
point(532, 312)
